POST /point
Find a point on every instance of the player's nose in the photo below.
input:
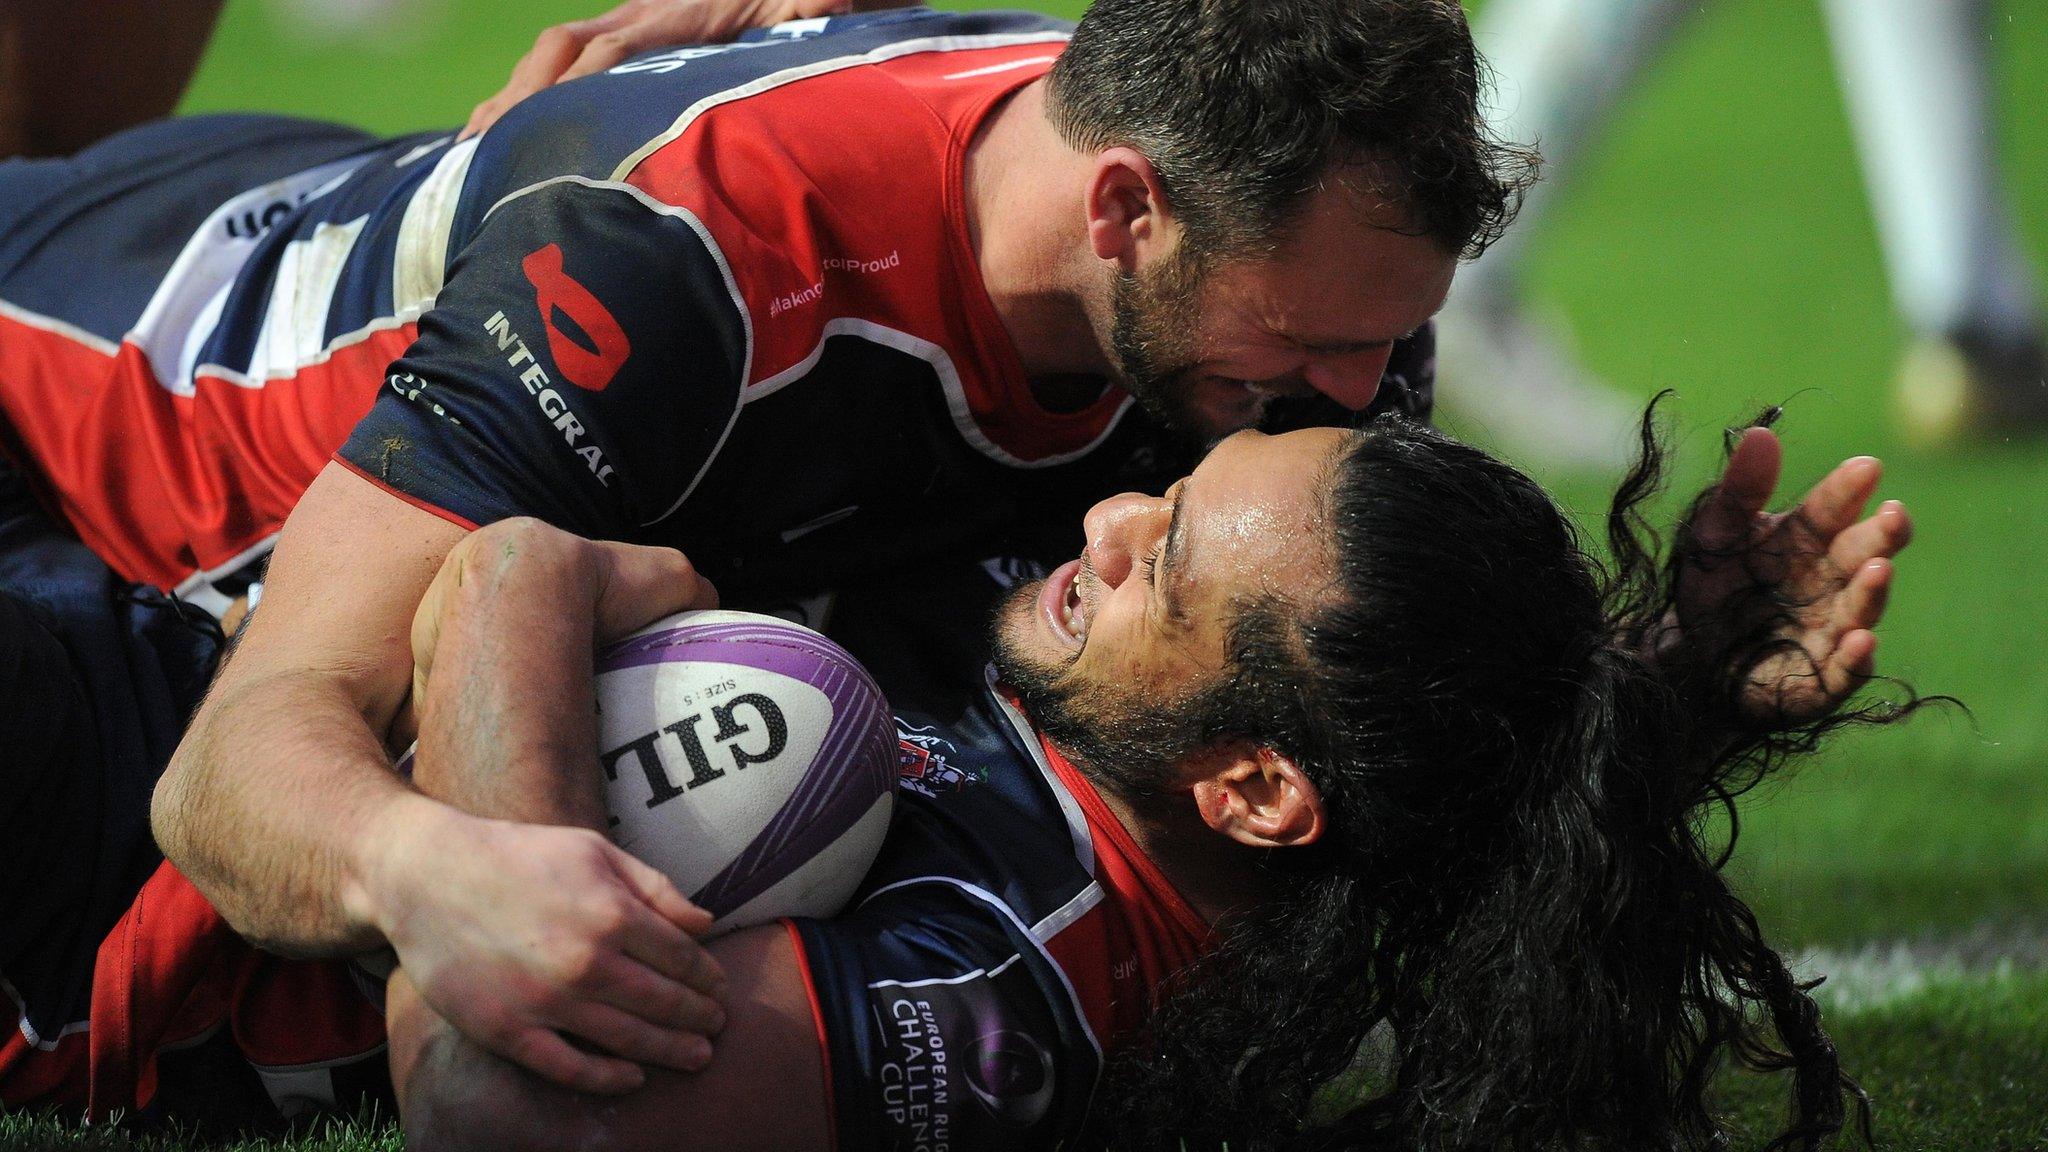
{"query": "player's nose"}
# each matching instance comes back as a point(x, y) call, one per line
point(1115, 529)
point(1351, 380)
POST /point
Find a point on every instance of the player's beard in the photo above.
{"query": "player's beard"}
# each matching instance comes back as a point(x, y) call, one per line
point(1127, 741)
point(1154, 332)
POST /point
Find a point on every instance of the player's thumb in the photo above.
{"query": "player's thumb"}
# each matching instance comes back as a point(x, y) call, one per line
point(640, 584)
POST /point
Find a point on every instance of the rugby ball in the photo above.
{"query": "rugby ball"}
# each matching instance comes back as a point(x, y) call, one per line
point(749, 759)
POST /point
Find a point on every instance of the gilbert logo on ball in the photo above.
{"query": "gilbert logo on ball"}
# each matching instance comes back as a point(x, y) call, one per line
point(749, 759)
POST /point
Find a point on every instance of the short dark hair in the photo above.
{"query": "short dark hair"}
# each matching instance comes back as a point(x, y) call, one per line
point(1245, 106)
point(1516, 882)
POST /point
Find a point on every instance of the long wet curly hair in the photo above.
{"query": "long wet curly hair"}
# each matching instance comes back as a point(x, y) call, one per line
point(1520, 893)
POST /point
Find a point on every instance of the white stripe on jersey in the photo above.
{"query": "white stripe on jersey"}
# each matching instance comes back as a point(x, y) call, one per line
point(39, 1041)
point(71, 332)
point(1077, 824)
point(198, 589)
point(294, 328)
point(1010, 914)
point(299, 1089)
point(420, 259)
point(964, 977)
point(186, 306)
point(1005, 66)
point(949, 379)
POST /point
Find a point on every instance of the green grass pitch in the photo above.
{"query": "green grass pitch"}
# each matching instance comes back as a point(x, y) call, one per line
point(1716, 242)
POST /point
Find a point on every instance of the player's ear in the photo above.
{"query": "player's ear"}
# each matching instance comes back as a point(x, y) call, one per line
point(1260, 797)
point(1128, 218)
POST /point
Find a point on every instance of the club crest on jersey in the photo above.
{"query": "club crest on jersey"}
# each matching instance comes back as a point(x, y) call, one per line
point(588, 363)
point(921, 763)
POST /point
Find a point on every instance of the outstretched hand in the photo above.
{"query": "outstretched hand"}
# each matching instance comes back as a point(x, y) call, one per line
point(585, 47)
point(1826, 567)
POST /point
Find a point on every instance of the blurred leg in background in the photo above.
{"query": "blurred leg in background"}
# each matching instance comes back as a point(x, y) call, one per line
point(1559, 69)
point(1918, 77)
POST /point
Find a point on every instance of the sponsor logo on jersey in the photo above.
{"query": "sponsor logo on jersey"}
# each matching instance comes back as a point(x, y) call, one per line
point(254, 221)
point(556, 292)
point(917, 1082)
point(553, 405)
point(790, 301)
point(415, 389)
point(815, 290)
point(1011, 1073)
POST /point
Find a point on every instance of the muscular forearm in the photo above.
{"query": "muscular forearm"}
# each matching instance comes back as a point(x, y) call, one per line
point(277, 806)
point(280, 803)
point(502, 647)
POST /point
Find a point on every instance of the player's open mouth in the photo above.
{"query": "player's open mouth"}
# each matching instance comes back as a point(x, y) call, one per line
point(1060, 603)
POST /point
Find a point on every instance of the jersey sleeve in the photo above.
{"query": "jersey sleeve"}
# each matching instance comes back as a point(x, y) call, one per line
point(945, 1024)
point(582, 365)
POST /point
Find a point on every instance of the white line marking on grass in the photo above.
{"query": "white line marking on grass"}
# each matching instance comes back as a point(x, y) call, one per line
point(1886, 972)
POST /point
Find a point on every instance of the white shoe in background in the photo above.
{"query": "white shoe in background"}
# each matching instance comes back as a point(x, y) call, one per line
point(1971, 386)
point(1512, 379)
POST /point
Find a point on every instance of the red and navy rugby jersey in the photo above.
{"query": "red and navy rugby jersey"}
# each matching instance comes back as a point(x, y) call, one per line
point(1009, 936)
point(582, 306)
point(719, 297)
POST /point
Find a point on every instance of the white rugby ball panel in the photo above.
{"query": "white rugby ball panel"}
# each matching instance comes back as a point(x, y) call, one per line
point(688, 730)
point(742, 753)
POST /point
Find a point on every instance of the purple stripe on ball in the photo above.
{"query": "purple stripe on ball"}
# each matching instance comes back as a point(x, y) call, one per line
point(855, 765)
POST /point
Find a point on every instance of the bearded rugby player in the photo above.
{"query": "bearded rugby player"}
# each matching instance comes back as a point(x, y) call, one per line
point(1345, 730)
point(1342, 737)
point(811, 306)
point(886, 340)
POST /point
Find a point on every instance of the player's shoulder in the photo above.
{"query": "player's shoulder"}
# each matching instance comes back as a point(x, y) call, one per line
point(600, 127)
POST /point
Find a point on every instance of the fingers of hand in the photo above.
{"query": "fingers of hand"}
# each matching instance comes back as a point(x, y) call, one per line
point(1839, 498)
point(553, 50)
point(705, 594)
point(635, 27)
point(1877, 537)
point(545, 1054)
point(642, 584)
point(640, 991)
point(1727, 519)
point(641, 964)
point(1863, 602)
point(1856, 655)
point(609, 49)
point(654, 934)
point(624, 1034)
point(655, 890)
point(1752, 472)
point(1850, 665)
